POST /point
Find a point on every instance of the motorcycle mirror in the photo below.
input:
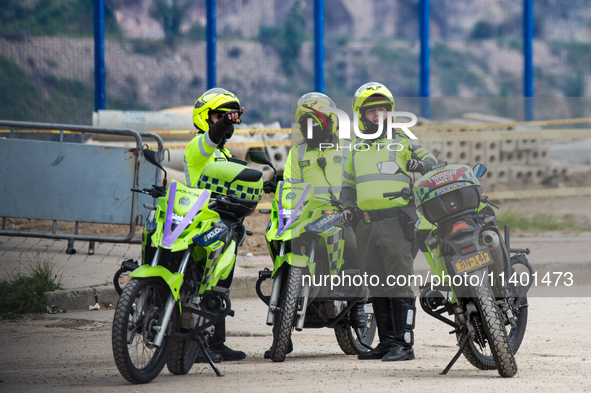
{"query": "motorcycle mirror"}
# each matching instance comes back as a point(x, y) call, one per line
point(388, 167)
point(152, 157)
point(479, 170)
point(260, 157)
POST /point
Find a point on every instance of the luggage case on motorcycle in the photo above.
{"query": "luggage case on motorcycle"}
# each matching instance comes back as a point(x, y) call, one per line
point(447, 190)
point(228, 178)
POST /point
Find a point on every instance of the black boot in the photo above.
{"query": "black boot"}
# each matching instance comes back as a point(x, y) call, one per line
point(216, 344)
point(383, 314)
point(200, 358)
point(358, 316)
point(267, 354)
point(404, 322)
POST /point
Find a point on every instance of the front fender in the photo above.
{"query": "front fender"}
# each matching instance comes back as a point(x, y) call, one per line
point(293, 260)
point(174, 280)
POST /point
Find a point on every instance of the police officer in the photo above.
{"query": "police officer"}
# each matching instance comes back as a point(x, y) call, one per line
point(320, 161)
point(214, 115)
point(374, 167)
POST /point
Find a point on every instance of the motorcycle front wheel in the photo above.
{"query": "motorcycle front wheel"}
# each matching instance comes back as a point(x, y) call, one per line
point(138, 311)
point(290, 297)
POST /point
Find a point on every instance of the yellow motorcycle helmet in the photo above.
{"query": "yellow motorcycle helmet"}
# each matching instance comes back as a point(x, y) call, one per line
point(324, 124)
point(216, 100)
point(371, 95)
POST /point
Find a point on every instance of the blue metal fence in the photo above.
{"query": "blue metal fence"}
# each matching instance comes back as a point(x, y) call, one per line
point(319, 81)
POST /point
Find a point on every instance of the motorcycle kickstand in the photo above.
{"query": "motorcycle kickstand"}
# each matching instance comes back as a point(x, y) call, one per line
point(463, 343)
point(211, 363)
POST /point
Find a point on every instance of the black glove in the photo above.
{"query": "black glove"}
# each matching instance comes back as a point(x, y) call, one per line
point(269, 186)
point(413, 165)
point(348, 216)
point(227, 119)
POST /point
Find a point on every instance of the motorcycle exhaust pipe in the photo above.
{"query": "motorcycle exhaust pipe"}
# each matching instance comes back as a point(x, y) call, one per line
point(491, 240)
point(274, 298)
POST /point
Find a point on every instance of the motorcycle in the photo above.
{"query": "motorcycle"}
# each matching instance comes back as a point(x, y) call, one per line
point(456, 229)
point(189, 243)
point(306, 243)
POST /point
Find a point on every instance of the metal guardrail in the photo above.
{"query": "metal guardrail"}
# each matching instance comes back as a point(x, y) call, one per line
point(72, 182)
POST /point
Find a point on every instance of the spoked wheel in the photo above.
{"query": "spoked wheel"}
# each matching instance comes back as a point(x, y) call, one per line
point(290, 297)
point(494, 349)
point(137, 314)
point(347, 338)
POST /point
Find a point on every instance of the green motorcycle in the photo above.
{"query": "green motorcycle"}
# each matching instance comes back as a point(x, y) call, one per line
point(306, 244)
point(189, 244)
point(471, 263)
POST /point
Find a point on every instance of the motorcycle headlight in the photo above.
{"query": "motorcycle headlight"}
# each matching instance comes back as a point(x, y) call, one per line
point(287, 214)
point(176, 220)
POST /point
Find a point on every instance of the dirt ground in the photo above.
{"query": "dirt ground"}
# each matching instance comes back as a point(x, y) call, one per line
point(72, 353)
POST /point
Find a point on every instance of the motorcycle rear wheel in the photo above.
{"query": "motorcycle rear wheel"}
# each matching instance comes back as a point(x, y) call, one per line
point(483, 360)
point(348, 340)
point(496, 336)
point(290, 298)
point(137, 359)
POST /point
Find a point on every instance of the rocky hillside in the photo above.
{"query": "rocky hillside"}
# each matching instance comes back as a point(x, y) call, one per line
point(265, 53)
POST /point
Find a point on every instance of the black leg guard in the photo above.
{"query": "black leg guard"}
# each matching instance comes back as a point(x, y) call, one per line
point(404, 311)
point(383, 314)
point(358, 315)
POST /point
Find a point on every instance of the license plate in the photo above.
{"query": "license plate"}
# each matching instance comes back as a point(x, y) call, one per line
point(471, 263)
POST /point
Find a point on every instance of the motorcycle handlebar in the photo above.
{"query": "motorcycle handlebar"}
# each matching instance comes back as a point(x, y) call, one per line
point(404, 193)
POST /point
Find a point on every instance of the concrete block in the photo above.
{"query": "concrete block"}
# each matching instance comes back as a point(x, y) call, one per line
point(477, 150)
point(540, 173)
point(501, 174)
point(449, 152)
point(464, 152)
point(514, 158)
point(508, 146)
point(521, 174)
point(492, 151)
point(72, 299)
point(527, 144)
point(558, 168)
point(538, 156)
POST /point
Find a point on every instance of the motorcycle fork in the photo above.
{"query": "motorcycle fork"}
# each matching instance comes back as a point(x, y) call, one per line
point(170, 302)
point(301, 312)
point(274, 298)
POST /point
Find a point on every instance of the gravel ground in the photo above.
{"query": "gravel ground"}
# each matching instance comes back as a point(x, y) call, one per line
point(72, 353)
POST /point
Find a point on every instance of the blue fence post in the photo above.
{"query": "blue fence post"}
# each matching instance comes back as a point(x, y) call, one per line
point(528, 61)
point(211, 44)
point(424, 58)
point(319, 46)
point(99, 54)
